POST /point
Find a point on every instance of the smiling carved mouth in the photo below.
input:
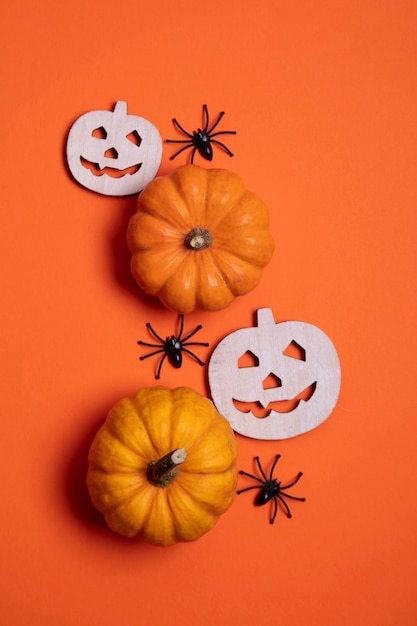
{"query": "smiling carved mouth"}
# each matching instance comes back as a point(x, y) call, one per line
point(279, 406)
point(109, 171)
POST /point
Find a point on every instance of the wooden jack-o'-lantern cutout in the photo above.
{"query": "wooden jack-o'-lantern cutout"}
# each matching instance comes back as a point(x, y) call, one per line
point(275, 381)
point(113, 153)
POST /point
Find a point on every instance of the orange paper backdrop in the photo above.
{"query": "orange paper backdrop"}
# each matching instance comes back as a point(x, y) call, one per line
point(323, 97)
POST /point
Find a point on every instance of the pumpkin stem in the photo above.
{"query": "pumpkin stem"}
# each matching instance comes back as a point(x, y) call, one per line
point(162, 472)
point(198, 239)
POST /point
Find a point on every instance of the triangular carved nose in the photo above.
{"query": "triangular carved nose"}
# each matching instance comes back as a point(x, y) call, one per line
point(272, 381)
point(111, 153)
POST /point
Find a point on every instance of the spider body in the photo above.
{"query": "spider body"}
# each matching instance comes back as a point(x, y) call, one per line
point(173, 350)
point(271, 489)
point(201, 140)
point(172, 347)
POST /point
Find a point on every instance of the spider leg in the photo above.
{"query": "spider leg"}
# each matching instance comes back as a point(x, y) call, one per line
point(206, 118)
point(158, 373)
point(190, 145)
point(249, 488)
point(251, 476)
point(146, 356)
point(193, 153)
point(181, 327)
point(178, 125)
point(225, 148)
point(199, 327)
point(284, 504)
point(274, 514)
point(297, 478)
point(260, 468)
point(154, 333)
point(277, 458)
point(192, 354)
point(151, 345)
point(287, 495)
point(195, 343)
point(210, 130)
point(178, 141)
point(223, 132)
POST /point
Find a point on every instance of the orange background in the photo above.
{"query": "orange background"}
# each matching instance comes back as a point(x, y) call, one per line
point(323, 96)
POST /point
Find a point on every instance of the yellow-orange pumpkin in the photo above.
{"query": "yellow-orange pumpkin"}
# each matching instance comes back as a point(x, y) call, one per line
point(199, 238)
point(162, 466)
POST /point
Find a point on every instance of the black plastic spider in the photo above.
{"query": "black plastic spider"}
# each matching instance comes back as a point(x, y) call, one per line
point(271, 489)
point(172, 347)
point(201, 140)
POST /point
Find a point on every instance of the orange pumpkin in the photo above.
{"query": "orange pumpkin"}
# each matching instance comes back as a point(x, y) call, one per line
point(199, 238)
point(162, 466)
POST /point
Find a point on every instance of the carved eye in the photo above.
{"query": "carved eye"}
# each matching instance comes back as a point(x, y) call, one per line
point(134, 137)
point(248, 359)
point(295, 351)
point(99, 133)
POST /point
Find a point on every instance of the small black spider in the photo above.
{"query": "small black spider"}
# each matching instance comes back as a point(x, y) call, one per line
point(271, 489)
point(201, 140)
point(172, 347)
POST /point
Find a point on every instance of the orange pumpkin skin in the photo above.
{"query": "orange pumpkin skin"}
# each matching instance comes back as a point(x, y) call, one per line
point(140, 430)
point(225, 258)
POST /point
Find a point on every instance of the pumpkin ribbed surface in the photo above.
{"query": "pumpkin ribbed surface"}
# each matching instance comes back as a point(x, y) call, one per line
point(140, 430)
point(199, 238)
